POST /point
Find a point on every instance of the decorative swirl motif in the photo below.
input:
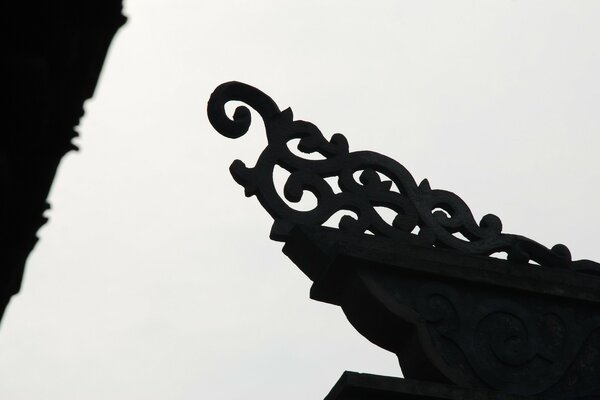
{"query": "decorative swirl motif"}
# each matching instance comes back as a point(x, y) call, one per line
point(439, 214)
point(508, 338)
point(523, 350)
point(522, 347)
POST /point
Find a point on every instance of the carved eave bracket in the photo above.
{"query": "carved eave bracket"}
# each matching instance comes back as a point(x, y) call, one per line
point(452, 314)
point(423, 216)
point(459, 319)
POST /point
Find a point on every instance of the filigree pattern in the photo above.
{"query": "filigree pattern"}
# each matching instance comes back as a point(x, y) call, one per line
point(440, 215)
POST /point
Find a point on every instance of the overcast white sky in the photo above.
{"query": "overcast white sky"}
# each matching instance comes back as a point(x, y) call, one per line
point(155, 278)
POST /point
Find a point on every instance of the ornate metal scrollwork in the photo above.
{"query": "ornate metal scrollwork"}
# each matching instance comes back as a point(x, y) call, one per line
point(440, 215)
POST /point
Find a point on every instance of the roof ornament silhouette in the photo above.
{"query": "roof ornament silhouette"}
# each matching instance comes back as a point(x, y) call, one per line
point(438, 214)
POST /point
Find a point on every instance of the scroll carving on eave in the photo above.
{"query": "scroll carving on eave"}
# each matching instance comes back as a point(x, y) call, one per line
point(438, 214)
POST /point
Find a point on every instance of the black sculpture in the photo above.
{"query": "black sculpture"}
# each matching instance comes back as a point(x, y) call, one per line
point(452, 314)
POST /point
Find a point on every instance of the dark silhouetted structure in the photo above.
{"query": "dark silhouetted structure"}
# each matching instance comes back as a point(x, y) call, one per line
point(463, 324)
point(53, 57)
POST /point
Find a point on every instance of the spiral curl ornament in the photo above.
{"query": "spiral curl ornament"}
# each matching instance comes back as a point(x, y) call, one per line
point(439, 214)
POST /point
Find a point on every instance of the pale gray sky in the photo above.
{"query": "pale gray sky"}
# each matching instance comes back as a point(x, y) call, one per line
point(155, 278)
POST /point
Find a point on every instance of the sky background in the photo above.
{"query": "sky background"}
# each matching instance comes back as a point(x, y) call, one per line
point(155, 277)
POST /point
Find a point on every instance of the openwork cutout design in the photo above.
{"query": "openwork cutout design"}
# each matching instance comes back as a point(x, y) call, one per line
point(367, 181)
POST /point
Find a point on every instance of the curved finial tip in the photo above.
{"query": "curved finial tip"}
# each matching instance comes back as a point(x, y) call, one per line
point(239, 124)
